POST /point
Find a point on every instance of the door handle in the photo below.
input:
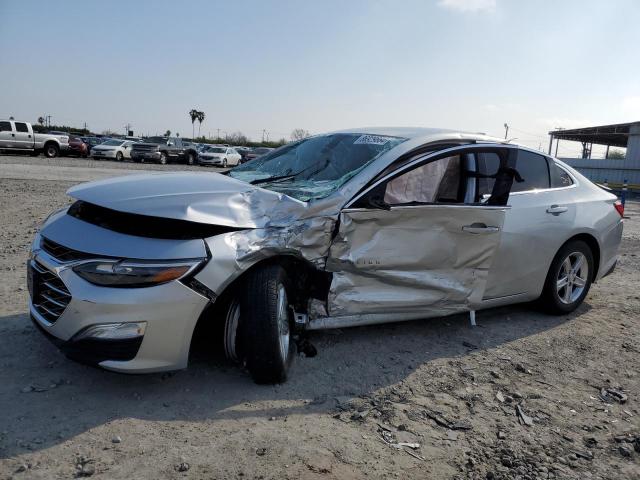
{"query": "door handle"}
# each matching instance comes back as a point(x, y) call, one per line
point(557, 209)
point(478, 228)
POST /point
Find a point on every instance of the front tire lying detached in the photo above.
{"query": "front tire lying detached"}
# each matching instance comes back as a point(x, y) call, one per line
point(569, 278)
point(266, 325)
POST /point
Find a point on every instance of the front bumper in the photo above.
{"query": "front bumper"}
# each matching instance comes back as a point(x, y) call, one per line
point(145, 155)
point(210, 160)
point(170, 310)
point(103, 154)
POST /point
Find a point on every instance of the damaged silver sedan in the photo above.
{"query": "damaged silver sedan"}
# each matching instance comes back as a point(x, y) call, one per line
point(349, 228)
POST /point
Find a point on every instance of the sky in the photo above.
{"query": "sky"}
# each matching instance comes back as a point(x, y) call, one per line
point(278, 65)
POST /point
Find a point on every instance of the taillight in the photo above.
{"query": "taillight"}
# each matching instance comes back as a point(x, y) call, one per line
point(619, 207)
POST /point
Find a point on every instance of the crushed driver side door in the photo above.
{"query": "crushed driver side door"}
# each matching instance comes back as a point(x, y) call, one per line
point(425, 255)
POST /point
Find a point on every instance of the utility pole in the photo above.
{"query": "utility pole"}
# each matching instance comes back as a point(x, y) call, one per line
point(218, 137)
point(506, 130)
point(557, 142)
point(127, 128)
point(49, 121)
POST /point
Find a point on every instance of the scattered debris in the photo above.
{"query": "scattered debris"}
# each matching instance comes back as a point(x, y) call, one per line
point(610, 395)
point(586, 455)
point(494, 373)
point(523, 417)
point(444, 422)
point(85, 467)
point(624, 451)
point(261, 452)
point(411, 445)
point(183, 467)
point(470, 345)
point(501, 435)
point(500, 397)
point(22, 468)
point(321, 470)
point(116, 439)
point(521, 368)
point(590, 442)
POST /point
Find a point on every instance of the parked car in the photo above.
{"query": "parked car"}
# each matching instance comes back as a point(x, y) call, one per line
point(92, 142)
point(345, 229)
point(257, 152)
point(223, 156)
point(77, 147)
point(114, 148)
point(19, 137)
point(163, 150)
point(243, 151)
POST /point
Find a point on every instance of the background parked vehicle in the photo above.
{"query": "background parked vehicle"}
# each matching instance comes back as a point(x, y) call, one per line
point(257, 152)
point(92, 142)
point(77, 147)
point(243, 151)
point(223, 156)
point(114, 148)
point(163, 150)
point(19, 136)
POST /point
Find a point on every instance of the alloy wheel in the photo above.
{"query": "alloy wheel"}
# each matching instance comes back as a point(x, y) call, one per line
point(283, 322)
point(572, 277)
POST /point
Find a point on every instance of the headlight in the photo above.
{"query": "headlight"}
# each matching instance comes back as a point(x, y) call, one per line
point(135, 273)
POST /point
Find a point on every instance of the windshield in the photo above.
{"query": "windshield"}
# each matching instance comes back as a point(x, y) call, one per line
point(158, 140)
point(115, 143)
point(317, 166)
point(215, 150)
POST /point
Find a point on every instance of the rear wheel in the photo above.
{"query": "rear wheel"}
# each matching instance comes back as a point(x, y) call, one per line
point(119, 156)
point(51, 150)
point(569, 278)
point(224, 163)
point(190, 159)
point(163, 158)
point(265, 325)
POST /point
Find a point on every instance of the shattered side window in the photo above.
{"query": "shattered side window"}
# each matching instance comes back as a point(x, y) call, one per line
point(317, 166)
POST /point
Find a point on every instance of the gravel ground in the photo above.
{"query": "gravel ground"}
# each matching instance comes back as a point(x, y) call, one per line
point(448, 392)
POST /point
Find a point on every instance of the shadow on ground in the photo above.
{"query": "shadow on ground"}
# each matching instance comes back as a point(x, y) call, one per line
point(351, 362)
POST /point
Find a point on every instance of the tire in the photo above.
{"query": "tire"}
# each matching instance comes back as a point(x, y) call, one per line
point(224, 163)
point(51, 150)
point(566, 286)
point(163, 158)
point(265, 327)
point(190, 159)
point(119, 157)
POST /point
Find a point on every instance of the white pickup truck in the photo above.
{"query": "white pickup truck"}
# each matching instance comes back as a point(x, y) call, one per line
point(19, 136)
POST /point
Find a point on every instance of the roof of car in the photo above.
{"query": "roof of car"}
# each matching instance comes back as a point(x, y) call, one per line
point(422, 132)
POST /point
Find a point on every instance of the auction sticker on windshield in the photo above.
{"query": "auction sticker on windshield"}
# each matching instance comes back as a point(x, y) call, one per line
point(371, 140)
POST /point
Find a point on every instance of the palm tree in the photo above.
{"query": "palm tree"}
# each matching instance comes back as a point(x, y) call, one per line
point(193, 113)
point(201, 117)
point(41, 120)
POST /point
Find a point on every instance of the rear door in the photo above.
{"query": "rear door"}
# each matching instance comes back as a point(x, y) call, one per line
point(418, 242)
point(541, 219)
point(7, 135)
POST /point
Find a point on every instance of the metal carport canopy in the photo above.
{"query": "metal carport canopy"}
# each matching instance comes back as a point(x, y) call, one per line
point(615, 135)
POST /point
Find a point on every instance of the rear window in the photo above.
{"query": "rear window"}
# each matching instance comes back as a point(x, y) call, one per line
point(533, 168)
point(559, 176)
point(5, 126)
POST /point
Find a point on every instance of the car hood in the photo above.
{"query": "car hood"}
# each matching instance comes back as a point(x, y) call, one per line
point(104, 147)
point(198, 197)
point(144, 144)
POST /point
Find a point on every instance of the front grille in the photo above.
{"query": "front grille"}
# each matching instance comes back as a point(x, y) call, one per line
point(49, 294)
point(62, 253)
point(144, 148)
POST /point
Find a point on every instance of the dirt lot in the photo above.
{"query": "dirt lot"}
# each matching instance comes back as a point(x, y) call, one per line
point(451, 389)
